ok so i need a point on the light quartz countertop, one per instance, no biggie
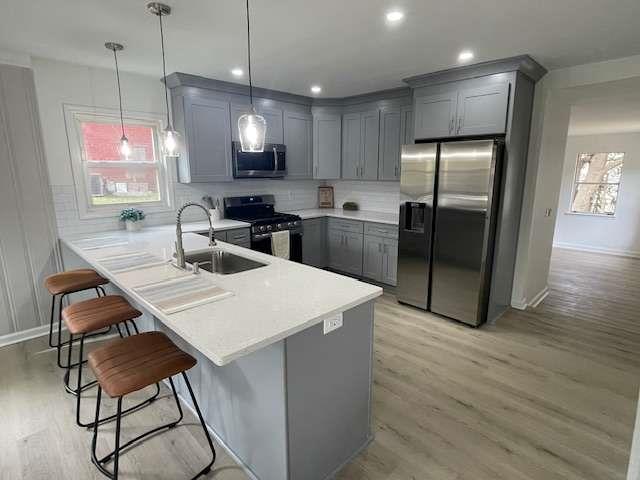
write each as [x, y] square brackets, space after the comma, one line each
[362, 215]
[268, 304]
[218, 225]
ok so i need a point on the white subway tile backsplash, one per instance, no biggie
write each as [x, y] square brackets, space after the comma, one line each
[375, 196]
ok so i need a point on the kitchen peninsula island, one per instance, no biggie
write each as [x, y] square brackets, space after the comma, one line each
[284, 390]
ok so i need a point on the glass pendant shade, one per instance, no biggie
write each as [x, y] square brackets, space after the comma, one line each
[253, 129]
[170, 142]
[125, 148]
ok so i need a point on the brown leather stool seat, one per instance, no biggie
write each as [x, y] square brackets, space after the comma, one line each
[90, 315]
[126, 365]
[123, 366]
[73, 281]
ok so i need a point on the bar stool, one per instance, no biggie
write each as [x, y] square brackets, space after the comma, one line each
[63, 284]
[88, 316]
[123, 366]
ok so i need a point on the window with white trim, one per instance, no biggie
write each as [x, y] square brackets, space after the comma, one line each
[597, 183]
[106, 182]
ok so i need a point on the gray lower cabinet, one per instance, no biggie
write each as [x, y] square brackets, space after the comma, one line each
[314, 242]
[345, 251]
[327, 134]
[380, 260]
[238, 236]
[298, 137]
[206, 128]
[360, 136]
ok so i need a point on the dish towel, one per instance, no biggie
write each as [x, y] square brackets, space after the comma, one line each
[280, 244]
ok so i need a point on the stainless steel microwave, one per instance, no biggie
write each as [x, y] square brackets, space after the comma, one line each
[271, 163]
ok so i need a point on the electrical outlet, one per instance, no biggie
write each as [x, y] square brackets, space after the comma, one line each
[332, 323]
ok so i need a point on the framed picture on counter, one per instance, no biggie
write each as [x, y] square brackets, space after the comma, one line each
[325, 197]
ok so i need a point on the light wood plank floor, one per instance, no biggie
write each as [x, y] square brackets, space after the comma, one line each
[544, 394]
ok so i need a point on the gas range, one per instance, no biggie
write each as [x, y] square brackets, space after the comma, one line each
[259, 211]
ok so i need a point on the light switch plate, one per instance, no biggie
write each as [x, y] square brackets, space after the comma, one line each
[332, 323]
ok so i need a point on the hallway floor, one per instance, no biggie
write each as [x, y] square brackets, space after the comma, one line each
[545, 394]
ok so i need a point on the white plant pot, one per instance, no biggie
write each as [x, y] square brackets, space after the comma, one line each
[133, 226]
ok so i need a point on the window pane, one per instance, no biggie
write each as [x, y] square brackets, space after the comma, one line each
[130, 184]
[595, 198]
[101, 141]
[599, 167]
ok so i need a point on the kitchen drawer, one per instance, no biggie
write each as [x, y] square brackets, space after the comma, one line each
[345, 225]
[381, 230]
[239, 236]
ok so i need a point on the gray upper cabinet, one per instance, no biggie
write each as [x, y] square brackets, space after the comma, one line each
[273, 117]
[208, 141]
[435, 115]
[462, 112]
[327, 134]
[370, 145]
[483, 110]
[351, 145]
[391, 137]
[406, 125]
[360, 142]
[298, 137]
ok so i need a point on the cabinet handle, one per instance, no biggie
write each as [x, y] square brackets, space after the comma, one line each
[459, 125]
[451, 125]
[396, 171]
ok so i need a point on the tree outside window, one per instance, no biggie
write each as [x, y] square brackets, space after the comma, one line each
[597, 183]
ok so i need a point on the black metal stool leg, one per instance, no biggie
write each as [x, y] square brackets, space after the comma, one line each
[53, 311]
[116, 452]
[206, 469]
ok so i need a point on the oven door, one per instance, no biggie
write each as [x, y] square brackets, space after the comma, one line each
[268, 164]
[263, 244]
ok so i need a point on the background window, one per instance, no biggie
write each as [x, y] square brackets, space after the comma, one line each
[597, 183]
[105, 180]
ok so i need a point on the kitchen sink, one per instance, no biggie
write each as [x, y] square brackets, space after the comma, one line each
[224, 263]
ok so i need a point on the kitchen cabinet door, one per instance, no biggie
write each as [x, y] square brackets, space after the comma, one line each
[314, 251]
[390, 142]
[208, 137]
[351, 146]
[435, 115]
[483, 110]
[389, 274]
[337, 249]
[353, 253]
[327, 135]
[275, 130]
[406, 126]
[239, 236]
[372, 258]
[298, 138]
[370, 143]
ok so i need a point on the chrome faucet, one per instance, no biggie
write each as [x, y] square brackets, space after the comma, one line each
[180, 261]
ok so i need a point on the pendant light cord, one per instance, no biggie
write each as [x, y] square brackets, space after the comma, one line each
[164, 72]
[115, 57]
[249, 55]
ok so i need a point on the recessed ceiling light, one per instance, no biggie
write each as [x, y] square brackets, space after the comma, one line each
[316, 89]
[237, 72]
[465, 56]
[394, 16]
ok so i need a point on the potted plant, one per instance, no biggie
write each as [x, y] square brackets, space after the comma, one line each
[132, 218]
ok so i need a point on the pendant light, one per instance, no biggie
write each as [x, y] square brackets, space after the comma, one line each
[252, 127]
[125, 148]
[170, 138]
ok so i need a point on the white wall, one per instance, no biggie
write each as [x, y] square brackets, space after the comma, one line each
[58, 83]
[619, 234]
[554, 95]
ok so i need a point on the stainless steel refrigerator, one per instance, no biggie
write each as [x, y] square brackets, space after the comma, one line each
[449, 199]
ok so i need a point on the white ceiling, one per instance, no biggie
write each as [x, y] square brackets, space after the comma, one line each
[343, 45]
[613, 115]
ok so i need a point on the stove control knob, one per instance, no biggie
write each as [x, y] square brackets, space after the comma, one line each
[261, 228]
[290, 224]
[280, 225]
[269, 227]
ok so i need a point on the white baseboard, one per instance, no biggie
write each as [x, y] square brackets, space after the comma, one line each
[25, 335]
[536, 300]
[606, 251]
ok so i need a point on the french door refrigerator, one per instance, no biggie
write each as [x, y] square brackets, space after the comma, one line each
[449, 199]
